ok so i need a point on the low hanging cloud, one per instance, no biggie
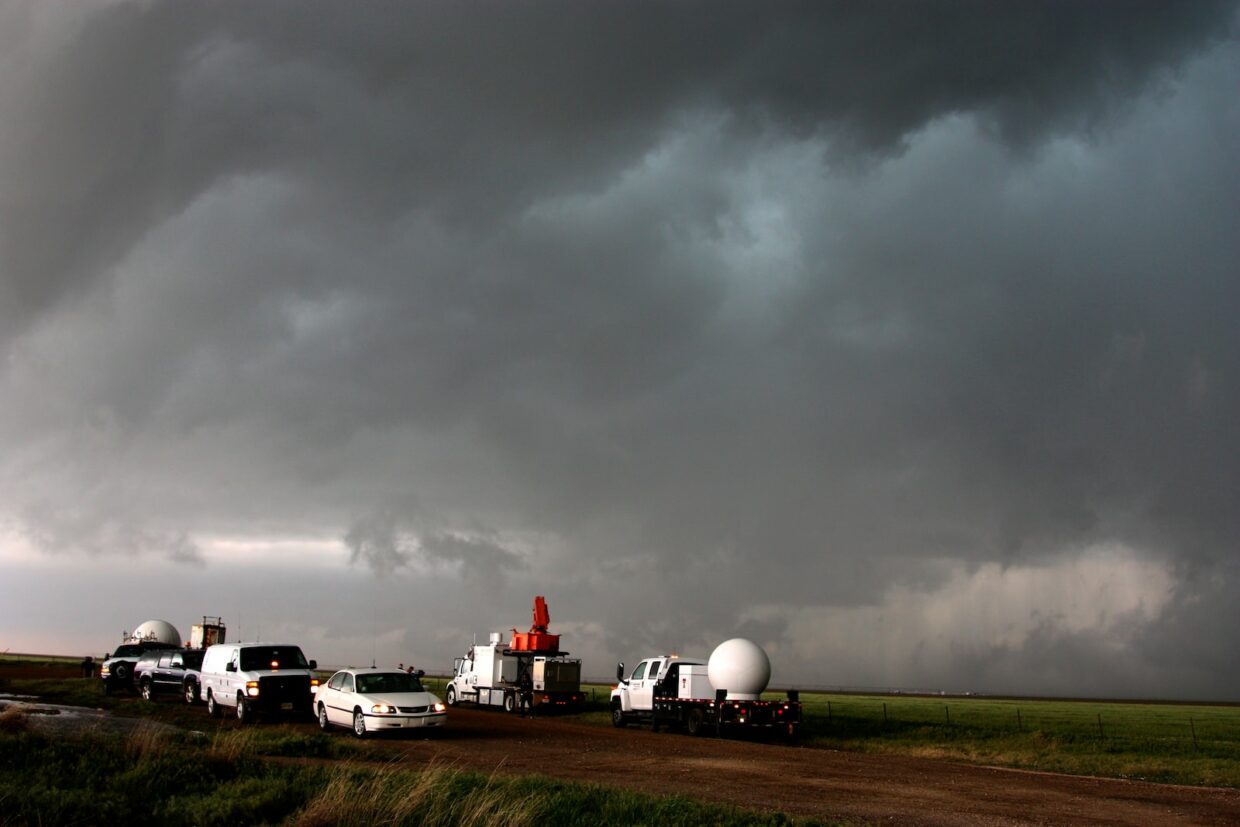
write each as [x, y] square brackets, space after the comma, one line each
[970, 631]
[379, 543]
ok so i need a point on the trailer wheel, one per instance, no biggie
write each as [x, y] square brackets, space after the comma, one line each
[793, 734]
[696, 722]
[510, 702]
[617, 716]
[450, 696]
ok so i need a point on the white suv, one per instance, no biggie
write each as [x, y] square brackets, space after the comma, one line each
[257, 678]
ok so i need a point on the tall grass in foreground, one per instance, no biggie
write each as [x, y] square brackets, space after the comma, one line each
[180, 778]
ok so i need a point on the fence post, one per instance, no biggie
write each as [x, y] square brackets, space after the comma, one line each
[828, 712]
[884, 712]
[948, 713]
[1100, 735]
[1020, 727]
[1193, 729]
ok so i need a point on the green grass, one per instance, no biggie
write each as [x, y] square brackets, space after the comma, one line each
[185, 779]
[1180, 743]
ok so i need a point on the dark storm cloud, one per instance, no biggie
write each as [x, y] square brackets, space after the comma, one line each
[730, 317]
[126, 112]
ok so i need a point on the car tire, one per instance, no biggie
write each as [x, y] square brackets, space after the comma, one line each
[617, 717]
[243, 711]
[191, 693]
[146, 690]
[449, 696]
[213, 706]
[359, 723]
[324, 724]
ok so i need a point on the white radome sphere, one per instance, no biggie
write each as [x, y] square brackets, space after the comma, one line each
[160, 630]
[739, 666]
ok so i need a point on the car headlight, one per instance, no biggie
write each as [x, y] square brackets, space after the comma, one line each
[251, 688]
[439, 707]
[383, 709]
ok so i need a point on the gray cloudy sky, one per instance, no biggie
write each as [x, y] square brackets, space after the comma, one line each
[898, 337]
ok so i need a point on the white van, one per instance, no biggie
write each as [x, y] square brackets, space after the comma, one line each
[256, 679]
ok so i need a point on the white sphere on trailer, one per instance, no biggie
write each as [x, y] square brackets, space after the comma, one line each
[157, 630]
[741, 667]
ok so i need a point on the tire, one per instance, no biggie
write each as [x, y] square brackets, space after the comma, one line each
[449, 696]
[121, 672]
[243, 711]
[324, 724]
[147, 691]
[359, 723]
[213, 706]
[696, 722]
[191, 693]
[510, 703]
[617, 716]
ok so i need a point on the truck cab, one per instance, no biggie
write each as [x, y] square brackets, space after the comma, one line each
[633, 697]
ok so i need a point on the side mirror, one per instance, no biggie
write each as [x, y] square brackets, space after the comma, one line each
[620, 672]
[314, 664]
[231, 667]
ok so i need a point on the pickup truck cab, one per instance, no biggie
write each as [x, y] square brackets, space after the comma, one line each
[257, 679]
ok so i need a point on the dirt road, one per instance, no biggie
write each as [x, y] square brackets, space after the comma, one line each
[797, 780]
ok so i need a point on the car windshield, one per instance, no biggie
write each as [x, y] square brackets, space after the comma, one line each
[256, 658]
[388, 682]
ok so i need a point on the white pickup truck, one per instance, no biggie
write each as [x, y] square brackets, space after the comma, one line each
[668, 690]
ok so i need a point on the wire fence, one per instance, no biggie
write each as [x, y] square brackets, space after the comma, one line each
[1139, 726]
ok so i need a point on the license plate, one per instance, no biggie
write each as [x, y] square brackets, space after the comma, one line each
[286, 705]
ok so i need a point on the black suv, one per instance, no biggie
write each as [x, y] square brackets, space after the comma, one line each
[118, 667]
[169, 671]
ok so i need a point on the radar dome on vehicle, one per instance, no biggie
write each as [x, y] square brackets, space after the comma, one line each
[741, 667]
[157, 630]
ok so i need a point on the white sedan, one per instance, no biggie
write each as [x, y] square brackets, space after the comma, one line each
[375, 700]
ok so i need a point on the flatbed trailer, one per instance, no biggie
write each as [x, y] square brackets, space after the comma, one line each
[719, 715]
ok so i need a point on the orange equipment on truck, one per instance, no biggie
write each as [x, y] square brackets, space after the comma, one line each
[537, 639]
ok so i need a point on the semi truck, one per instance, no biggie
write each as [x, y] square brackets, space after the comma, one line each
[529, 670]
[719, 695]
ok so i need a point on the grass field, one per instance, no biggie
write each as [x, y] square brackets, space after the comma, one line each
[183, 778]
